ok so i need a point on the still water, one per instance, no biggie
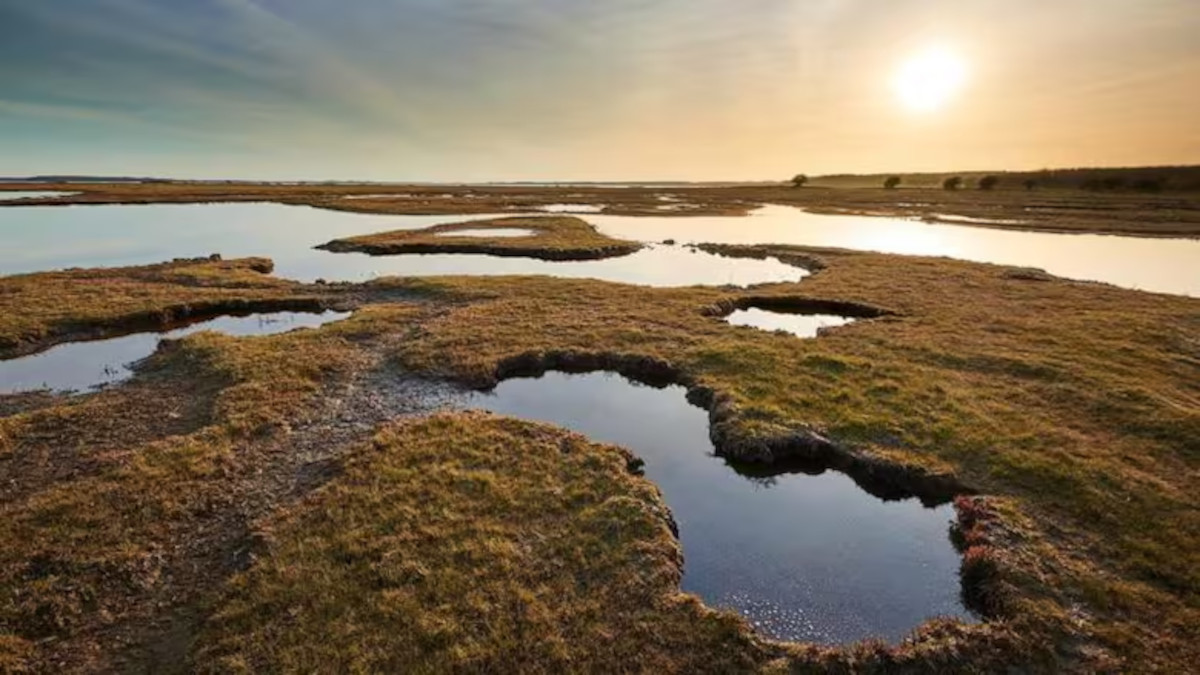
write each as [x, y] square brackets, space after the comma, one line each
[800, 325]
[80, 366]
[803, 557]
[40, 238]
[10, 195]
[1161, 265]
[570, 208]
[107, 236]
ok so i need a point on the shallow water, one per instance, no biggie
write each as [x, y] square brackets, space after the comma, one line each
[40, 238]
[800, 325]
[570, 208]
[10, 195]
[1152, 264]
[484, 232]
[79, 366]
[950, 218]
[654, 265]
[107, 236]
[804, 557]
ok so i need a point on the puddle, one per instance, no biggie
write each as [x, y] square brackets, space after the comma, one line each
[42, 238]
[484, 232]
[571, 208]
[804, 556]
[80, 366]
[12, 195]
[801, 325]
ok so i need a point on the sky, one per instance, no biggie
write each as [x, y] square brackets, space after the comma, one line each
[479, 90]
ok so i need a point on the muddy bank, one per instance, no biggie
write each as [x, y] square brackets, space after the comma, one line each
[788, 547]
[881, 478]
[810, 259]
[785, 304]
[162, 320]
[553, 255]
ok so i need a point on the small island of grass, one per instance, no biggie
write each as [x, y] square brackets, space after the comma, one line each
[557, 238]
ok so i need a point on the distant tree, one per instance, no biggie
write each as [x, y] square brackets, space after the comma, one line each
[892, 182]
[799, 180]
[1113, 183]
[1030, 183]
[1149, 185]
[988, 182]
[952, 183]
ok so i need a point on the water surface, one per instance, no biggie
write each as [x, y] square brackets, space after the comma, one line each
[45, 238]
[10, 195]
[40, 238]
[950, 218]
[570, 208]
[1152, 264]
[79, 366]
[804, 557]
[800, 325]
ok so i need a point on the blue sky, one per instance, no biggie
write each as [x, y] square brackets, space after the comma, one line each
[570, 89]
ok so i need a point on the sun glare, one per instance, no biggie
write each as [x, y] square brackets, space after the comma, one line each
[930, 79]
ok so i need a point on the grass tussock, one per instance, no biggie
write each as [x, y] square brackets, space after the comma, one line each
[146, 518]
[38, 310]
[553, 238]
[483, 544]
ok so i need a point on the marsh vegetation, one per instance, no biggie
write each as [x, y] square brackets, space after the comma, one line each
[293, 501]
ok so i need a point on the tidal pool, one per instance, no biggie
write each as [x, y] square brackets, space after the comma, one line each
[804, 555]
[80, 366]
[800, 325]
[484, 232]
[49, 238]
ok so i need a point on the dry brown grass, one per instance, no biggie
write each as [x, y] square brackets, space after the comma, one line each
[38, 310]
[1076, 211]
[1077, 400]
[119, 521]
[1073, 404]
[483, 544]
[553, 238]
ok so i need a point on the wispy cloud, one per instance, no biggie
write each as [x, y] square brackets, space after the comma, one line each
[570, 87]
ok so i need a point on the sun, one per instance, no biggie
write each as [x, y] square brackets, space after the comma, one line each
[930, 79]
